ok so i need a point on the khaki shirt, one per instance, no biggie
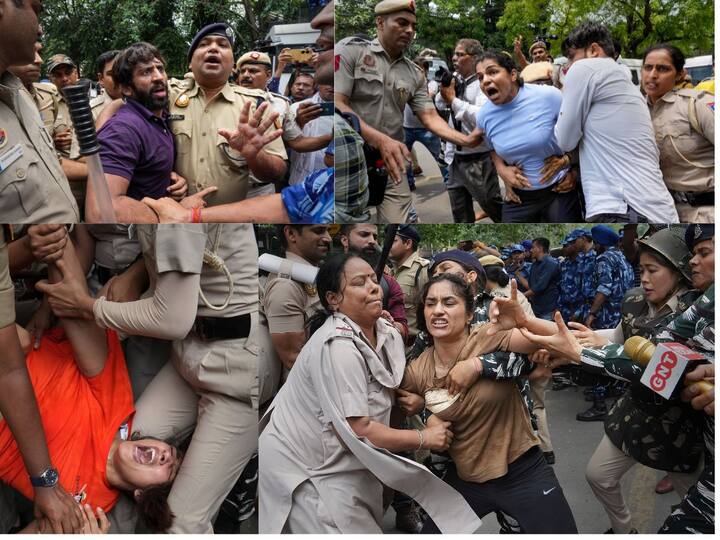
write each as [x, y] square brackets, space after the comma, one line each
[180, 248]
[202, 156]
[116, 246]
[687, 157]
[33, 187]
[405, 275]
[46, 97]
[379, 88]
[7, 292]
[288, 304]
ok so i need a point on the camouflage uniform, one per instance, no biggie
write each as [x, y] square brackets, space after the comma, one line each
[586, 271]
[696, 513]
[571, 298]
[659, 433]
[614, 277]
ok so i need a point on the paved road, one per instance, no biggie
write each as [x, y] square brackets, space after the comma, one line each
[431, 198]
[574, 442]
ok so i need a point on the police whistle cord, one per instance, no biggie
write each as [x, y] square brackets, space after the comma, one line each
[78, 101]
[390, 232]
[215, 262]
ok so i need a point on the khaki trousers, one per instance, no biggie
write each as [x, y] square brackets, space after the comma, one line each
[211, 386]
[537, 393]
[397, 203]
[606, 467]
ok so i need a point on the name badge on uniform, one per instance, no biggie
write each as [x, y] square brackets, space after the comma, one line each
[11, 156]
[182, 101]
[344, 331]
[175, 117]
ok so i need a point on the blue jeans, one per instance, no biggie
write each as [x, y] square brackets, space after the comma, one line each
[543, 206]
[431, 142]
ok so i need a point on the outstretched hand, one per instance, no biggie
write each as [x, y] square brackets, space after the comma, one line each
[563, 346]
[506, 313]
[250, 138]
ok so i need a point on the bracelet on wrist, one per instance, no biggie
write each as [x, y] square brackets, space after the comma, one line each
[195, 215]
[422, 440]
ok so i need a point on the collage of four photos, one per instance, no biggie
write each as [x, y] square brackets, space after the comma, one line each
[357, 267]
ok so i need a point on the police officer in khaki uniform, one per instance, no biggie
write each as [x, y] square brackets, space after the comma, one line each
[254, 71]
[410, 270]
[204, 103]
[288, 304]
[33, 187]
[374, 80]
[45, 95]
[684, 122]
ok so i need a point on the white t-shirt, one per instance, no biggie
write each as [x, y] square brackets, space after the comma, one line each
[619, 159]
[304, 163]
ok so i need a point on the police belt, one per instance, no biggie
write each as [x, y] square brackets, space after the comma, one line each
[693, 198]
[104, 274]
[475, 156]
[213, 328]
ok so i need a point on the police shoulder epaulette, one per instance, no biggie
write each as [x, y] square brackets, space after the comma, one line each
[343, 329]
[280, 96]
[690, 93]
[181, 84]
[354, 40]
[46, 87]
[249, 92]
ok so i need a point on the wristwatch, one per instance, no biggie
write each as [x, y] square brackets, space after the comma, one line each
[48, 478]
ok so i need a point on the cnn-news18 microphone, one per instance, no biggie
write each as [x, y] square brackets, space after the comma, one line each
[665, 364]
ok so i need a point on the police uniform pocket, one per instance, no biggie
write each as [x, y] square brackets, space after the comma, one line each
[230, 157]
[15, 189]
[368, 85]
[401, 93]
[182, 131]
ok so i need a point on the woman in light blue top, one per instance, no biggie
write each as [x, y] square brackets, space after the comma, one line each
[519, 121]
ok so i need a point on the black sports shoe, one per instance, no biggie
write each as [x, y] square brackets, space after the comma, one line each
[409, 519]
[596, 413]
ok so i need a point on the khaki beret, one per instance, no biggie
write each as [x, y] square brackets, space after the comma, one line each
[489, 260]
[254, 57]
[391, 6]
[537, 71]
[537, 44]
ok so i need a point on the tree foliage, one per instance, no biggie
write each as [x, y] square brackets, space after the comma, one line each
[84, 29]
[688, 24]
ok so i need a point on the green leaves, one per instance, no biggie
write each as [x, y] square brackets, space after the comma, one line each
[84, 29]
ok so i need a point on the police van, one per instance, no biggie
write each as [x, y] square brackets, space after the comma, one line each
[699, 67]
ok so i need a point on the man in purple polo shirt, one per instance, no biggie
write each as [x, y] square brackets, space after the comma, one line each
[136, 144]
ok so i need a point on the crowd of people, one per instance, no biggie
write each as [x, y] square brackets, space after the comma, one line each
[545, 141]
[231, 133]
[456, 381]
[140, 390]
